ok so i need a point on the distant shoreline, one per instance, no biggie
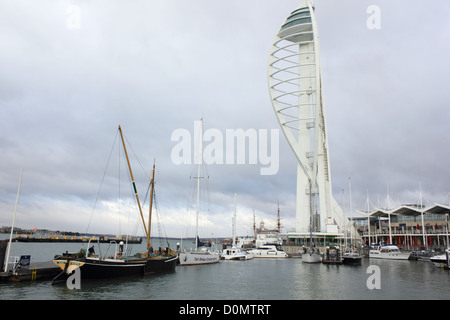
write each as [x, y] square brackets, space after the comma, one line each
[38, 232]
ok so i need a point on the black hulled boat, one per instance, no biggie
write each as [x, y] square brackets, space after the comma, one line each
[95, 267]
[92, 266]
[352, 256]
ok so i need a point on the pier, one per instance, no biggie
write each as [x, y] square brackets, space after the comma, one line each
[23, 270]
[75, 239]
[36, 271]
[332, 255]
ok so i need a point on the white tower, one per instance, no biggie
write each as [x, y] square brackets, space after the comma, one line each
[295, 85]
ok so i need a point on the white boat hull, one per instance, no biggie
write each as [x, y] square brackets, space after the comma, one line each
[390, 256]
[268, 253]
[196, 258]
[311, 257]
[440, 261]
[389, 252]
[236, 254]
[257, 255]
[233, 257]
[238, 257]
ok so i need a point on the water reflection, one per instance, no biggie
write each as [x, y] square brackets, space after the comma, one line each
[257, 279]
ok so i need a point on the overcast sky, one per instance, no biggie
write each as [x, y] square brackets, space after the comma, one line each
[72, 71]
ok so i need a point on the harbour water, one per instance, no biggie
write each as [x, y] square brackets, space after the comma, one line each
[257, 279]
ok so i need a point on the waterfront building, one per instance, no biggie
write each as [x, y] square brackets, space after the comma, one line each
[411, 227]
[265, 236]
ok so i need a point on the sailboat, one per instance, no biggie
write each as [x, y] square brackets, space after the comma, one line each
[311, 254]
[235, 253]
[201, 253]
[351, 255]
[119, 265]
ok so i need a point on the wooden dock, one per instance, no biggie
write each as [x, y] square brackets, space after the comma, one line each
[332, 255]
[36, 271]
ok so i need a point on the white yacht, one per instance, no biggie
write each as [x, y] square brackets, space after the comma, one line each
[388, 252]
[269, 250]
[236, 254]
[441, 261]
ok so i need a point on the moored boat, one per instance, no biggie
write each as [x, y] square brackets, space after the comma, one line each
[422, 255]
[352, 257]
[201, 256]
[311, 258]
[389, 251]
[269, 250]
[235, 254]
[201, 253]
[93, 266]
[442, 260]
[311, 255]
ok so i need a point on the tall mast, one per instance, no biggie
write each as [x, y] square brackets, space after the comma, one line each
[134, 187]
[278, 219]
[199, 161]
[152, 188]
[310, 215]
[423, 224]
[351, 214]
[12, 226]
[198, 201]
[345, 219]
[368, 217]
[447, 253]
[234, 222]
[389, 218]
[254, 224]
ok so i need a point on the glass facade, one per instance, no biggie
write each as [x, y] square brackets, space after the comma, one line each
[406, 231]
[296, 22]
[299, 16]
[427, 218]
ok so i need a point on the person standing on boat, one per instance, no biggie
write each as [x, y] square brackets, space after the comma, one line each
[91, 251]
